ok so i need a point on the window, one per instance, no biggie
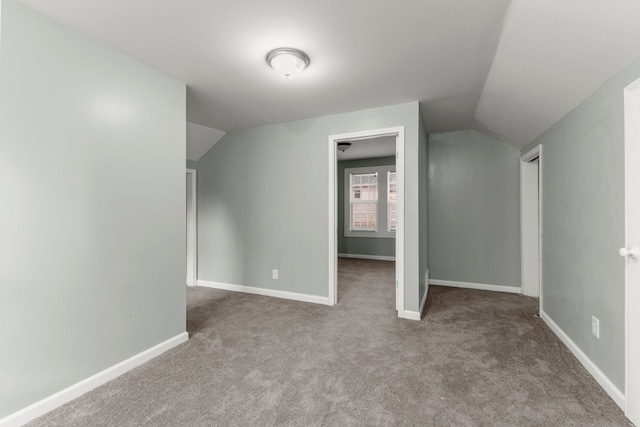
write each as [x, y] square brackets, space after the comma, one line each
[392, 201]
[370, 201]
[364, 202]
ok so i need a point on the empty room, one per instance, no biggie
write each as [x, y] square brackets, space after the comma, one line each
[319, 213]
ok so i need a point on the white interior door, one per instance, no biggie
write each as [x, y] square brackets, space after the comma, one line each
[630, 251]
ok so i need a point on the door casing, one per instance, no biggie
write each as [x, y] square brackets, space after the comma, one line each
[531, 243]
[632, 238]
[398, 133]
[192, 228]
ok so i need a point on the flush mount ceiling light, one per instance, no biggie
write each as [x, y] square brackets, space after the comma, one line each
[344, 146]
[287, 62]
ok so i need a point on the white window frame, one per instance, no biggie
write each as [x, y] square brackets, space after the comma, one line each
[388, 201]
[382, 211]
[363, 202]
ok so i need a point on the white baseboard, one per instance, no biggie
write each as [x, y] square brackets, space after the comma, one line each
[595, 372]
[266, 292]
[47, 404]
[416, 315]
[375, 257]
[424, 297]
[479, 286]
[411, 315]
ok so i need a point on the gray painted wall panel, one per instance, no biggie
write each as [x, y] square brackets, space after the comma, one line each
[583, 223]
[361, 245]
[263, 202]
[474, 209]
[93, 217]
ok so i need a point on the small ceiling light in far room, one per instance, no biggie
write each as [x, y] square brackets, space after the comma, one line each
[287, 62]
[343, 146]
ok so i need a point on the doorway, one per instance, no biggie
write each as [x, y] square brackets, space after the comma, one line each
[530, 223]
[398, 134]
[630, 250]
[192, 237]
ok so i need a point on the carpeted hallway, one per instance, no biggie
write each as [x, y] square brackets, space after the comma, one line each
[476, 359]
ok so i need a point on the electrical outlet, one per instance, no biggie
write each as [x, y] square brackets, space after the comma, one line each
[595, 326]
[274, 274]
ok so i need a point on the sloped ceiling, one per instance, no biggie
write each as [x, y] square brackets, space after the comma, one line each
[200, 139]
[509, 69]
[551, 56]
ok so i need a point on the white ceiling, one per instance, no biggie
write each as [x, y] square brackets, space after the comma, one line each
[383, 146]
[506, 68]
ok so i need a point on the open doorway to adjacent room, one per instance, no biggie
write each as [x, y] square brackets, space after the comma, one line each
[367, 219]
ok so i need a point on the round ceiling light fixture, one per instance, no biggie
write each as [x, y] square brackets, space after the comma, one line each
[287, 62]
[344, 146]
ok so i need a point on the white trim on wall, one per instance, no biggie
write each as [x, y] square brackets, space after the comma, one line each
[536, 152]
[192, 228]
[76, 390]
[478, 286]
[0, 31]
[423, 301]
[400, 227]
[411, 315]
[632, 292]
[595, 372]
[333, 221]
[375, 257]
[540, 223]
[417, 315]
[398, 132]
[265, 292]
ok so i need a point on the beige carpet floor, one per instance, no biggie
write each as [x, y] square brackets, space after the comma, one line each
[476, 359]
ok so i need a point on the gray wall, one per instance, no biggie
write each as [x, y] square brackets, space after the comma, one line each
[583, 223]
[423, 166]
[361, 245]
[474, 209]
[263, 202]
[192, 164]
[92, 224]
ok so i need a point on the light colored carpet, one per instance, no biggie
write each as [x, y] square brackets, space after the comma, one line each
[476, 359]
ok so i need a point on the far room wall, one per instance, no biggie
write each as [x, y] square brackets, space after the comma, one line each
[263, 202]
[474, 209]
[368, 246]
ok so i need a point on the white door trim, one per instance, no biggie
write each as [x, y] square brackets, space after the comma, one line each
[632, 290]
[398, 132]
[0, 31]
[531, 155]
[192, 229]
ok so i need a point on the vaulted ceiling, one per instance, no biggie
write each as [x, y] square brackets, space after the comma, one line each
[509, 69]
